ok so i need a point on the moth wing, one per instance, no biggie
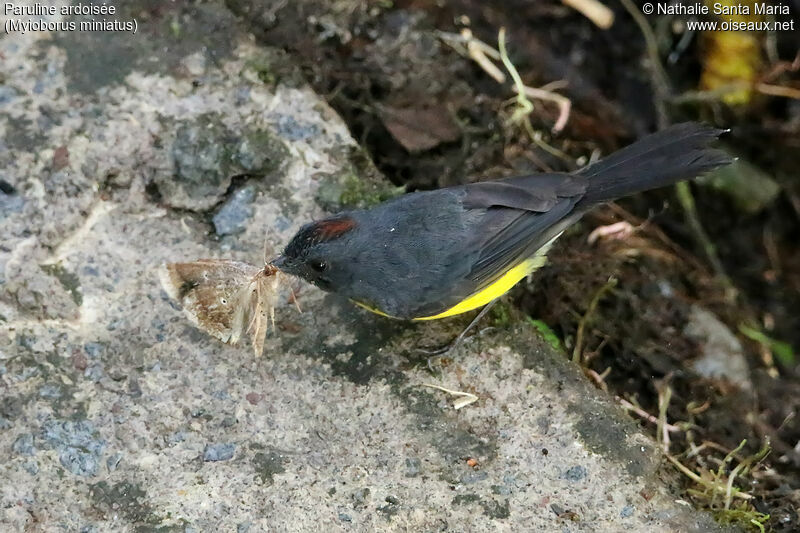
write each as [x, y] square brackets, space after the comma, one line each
[209, 290]
[266, 295]
[245, 308]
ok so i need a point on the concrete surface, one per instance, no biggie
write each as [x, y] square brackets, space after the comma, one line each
[119, 152]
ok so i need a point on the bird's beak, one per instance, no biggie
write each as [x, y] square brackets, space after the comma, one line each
[279, 262]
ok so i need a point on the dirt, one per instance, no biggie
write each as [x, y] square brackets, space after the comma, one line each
[384, 69]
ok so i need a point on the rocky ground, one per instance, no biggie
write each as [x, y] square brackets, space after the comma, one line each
[120, 152]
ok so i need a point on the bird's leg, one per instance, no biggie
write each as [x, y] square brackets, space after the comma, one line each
[439, 352]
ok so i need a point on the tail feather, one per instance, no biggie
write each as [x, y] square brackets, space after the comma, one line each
[677, 153]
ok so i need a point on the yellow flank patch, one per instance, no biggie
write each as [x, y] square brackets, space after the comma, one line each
[492, 291]
[495, 290]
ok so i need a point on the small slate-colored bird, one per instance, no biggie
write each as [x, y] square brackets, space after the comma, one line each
[435, 254]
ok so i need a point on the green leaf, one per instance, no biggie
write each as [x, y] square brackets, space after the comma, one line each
[547, 333]
[782, 351]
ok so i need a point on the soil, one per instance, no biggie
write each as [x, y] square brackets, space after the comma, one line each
[386, 71]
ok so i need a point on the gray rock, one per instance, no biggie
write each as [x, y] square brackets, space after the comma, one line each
[233, 215]
[219, 452]
[206, 155]
[339, 406]
[202, 156]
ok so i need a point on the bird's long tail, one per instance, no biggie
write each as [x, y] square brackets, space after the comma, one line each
[677, 153]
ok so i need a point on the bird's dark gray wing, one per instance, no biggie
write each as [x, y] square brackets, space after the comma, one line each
[521, 215]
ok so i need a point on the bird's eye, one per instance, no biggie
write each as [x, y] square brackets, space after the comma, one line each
[319, 266]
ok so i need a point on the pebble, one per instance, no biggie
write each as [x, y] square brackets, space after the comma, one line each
[575, 473]
[31, 467]
[24, 445]
[234, 214]
[50, 391]
[79, 450]
[293, 130]
[722, 355]
[413, 466]
[10, 203]
[474, 477]
[627, 511]
[219, 452]
[94, 373]
[93, 349]
[113, 462]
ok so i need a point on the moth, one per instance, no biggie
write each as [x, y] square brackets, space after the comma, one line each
[225, 298]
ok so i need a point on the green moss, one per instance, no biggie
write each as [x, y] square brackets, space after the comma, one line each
[273, 66]
[360, 185]
[68, 280]
[547, 334]
[358, 193]
[466, 499]
[349, 191]
[495, 509]
[260, 152]
[175, 28]
[491, 508]
[747, 519]
[267, 464]
[501, 315]
[125, 498]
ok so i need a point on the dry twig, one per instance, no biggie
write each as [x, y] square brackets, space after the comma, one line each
[465, 398]
[578, 350]
[485, 56]
[598, 13]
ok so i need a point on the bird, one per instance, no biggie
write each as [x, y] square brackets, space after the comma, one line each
[434, 254]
